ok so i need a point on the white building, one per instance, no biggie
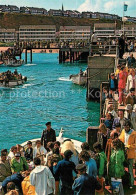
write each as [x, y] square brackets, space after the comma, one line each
[8, 35]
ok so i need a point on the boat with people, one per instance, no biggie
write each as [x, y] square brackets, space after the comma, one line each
[80, 78]
[13, 62]
[9, 79]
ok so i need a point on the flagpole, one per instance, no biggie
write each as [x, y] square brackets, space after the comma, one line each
[123, 17]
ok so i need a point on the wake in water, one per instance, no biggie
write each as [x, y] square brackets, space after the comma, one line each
[64, 79]
[30, 64]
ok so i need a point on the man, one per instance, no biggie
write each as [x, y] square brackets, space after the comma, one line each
[121, 46]
[94, 39]
[5, 169]
[84, 184]
[131, 61]
[120, 120]
[128, 137]
[29, 151]
[128, 112]
[64, 170]
[48, 135]
[131, 97]
[42, 178]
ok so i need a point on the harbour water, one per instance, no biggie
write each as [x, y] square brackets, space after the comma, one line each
[48, 95]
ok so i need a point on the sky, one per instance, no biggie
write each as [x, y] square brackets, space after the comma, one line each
[108, 6]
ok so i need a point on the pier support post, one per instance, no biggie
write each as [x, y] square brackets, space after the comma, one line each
[60, 56]
[70, 56]
[26, 56]
[63, 56]
[31, 58]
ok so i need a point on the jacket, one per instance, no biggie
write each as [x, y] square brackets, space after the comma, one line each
[129, 84]
[131, 144]
[116, 167]
[27, 188]
[91, 167]
[43, 180]
[122, 80]
[5, 170]
[115, 84]
[85, 185]
[48, 136]
[102, 164]
[17, 167]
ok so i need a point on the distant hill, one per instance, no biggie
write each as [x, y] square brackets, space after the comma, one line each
[14, 20]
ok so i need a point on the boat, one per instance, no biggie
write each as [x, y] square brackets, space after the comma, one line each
[79, 79]
[60, 138]
[13, 62]
[13, 83]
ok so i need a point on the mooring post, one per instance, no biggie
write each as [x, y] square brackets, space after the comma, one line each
[60, 56]
[26, 56]
[31, 57]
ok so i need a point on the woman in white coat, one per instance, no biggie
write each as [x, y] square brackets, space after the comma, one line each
[39, 151]
[131, 80]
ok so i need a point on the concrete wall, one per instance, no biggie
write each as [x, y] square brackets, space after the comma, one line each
[99, 67]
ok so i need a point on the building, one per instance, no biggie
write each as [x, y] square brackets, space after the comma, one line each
[69, 33]
[37, 32]
[74, 14]
[129, 30]
[55, 12]
[86, 14]
[8, 35]
[9, 8]
[4, 8]
[33, 10]
[104, 29]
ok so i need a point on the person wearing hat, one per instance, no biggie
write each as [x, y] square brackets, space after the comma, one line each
[18, 163]
[64, 169]
[29, 151]
[84, 184]
[48, 135]
[128, 112]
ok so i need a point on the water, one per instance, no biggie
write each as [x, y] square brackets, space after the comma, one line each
[48, 95]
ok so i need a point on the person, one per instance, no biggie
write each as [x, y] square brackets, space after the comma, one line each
[85, 146]
[42, 179]
[121, 119]
[29, 151]
[113, 83]
[100, 159]
[133, 117]
[94, 39]
[89, 162]
[64, 170]
[131, 97]
[131, 80]
[84, 184]
[128, 112]
[5, 169]
[131, 60]
[112, 111]
[10, 187]
[48, 135]
[18, 163]
[50, 147]
[121, 46]
[39, 151]
[12, 192]
[117, 130]
[27, 188]
[109, 121]
[128, 137]
[116, 166]
[16, 178]
[12, 152]
[20, 149]
[103, 135]
[122, 84]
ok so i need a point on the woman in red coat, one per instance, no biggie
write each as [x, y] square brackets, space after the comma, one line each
[122, 83]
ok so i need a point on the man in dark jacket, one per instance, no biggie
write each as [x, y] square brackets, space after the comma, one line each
[84, 184]
[121, 46]
[64, 170]
[48, 135]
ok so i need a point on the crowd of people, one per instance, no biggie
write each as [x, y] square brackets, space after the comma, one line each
[8, 75]
[51, 167]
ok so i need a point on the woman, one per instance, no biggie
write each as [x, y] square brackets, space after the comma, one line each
[122, 84]
[116, 167]
[103, 135]
[39, 151]
[131, 81]
[109, 121]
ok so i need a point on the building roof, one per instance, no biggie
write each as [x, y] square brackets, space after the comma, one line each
[63, 28]
[38, 26]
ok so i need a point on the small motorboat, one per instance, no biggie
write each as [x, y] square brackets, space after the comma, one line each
[13, 83]
[79, 79]
[13, 62]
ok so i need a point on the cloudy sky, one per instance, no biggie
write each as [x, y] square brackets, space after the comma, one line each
[110, 6]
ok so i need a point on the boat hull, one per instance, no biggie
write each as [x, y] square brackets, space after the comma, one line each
[79, 79]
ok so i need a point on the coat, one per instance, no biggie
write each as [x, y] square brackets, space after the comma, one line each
[48, 136]
[131, 144]
[116, 167]
[129, 84]
[85, 185]
[17, 167]
[43, 180]
[42, 151]
[91, 167]
[122, 80]
[27, 188]
[5, 170]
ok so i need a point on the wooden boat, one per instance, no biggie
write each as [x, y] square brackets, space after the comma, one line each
[13, 83]
[79, 79]
[13, 62]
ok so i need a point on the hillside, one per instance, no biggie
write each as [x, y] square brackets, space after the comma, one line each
[14, 20]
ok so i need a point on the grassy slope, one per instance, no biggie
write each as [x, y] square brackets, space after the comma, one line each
[13, 20]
